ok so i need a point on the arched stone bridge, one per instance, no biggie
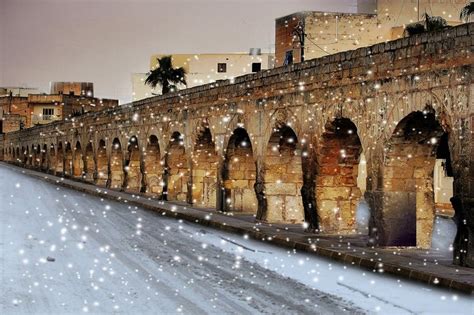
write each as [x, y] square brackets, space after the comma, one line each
[285, 143]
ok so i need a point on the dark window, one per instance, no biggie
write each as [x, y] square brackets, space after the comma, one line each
[256, 66]
[288, 57]
[222, 67]
[48, 113]
[71, 92]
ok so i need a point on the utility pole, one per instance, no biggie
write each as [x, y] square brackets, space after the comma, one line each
[300, 34]
[418, 9]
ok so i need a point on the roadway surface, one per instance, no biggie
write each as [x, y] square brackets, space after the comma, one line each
[66, 252]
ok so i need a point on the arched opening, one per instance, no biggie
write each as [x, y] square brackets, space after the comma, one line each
[153, 167]
[337, 191]
[60, 159]
[409, 201]
[68, 159]
[176, 173]
[283, 177]
[204, 171]
[239, 171]
[90, 164]
[133, 175]
[52, 159]
[18, 156]
[116, 165]
[102, 164]
[44, 157]
[78, 162]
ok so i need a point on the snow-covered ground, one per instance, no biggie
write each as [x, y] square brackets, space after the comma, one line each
[66, 252]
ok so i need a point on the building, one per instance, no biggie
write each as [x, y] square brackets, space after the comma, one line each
[67, 99]
[45, 108]
[316, 34]
[72, 88]
[205, 68]
[17, 91]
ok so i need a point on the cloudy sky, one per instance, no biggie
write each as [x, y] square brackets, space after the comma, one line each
[105, 41]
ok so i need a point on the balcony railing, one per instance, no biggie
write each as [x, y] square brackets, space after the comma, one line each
[43, 119]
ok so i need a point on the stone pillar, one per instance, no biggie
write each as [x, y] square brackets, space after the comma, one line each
[259, 187]
[463, 198]
[308, 190]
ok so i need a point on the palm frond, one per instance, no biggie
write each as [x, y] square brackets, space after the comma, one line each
[467, 12]
[165, 75]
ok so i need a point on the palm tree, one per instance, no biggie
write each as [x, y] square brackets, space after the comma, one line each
[467, 12]
[429, 24]
[434, 23]
[166, 76]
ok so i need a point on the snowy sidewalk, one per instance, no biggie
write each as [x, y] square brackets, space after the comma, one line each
[419, 265]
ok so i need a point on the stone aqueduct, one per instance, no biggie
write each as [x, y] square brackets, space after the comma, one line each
[285, 143]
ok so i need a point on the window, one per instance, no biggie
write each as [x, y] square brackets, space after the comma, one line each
[256, 66]
[222, 67]
[47, 113]
[288, 58]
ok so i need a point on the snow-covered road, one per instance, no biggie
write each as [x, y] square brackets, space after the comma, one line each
[66, 252]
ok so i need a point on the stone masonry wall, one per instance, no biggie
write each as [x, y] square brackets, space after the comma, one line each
[374, 87]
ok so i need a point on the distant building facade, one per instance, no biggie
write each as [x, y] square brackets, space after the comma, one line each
[72, 88]
[66, 101]
[17, 91]
[316, 34]
[205, 68]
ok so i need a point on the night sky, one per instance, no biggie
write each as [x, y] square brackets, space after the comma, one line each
[105, 41]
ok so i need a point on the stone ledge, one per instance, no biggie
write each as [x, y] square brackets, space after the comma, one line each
[218, 221]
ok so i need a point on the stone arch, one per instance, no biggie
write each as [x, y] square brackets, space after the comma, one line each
[102, 164]
[337, 192]
[239, 174]
[52, 159]
[408, 103]
[133, 174]
[283, 176]
[281, 117]
[407, 172]
[176, 172]
[238, 121]
[78, 161]
[60, 159]
[205, 163]
[89, 163]
[116, 174]
[44, 158]
[68, 159]
[153, 167]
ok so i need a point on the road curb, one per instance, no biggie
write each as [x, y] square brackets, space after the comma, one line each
[432, 279]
